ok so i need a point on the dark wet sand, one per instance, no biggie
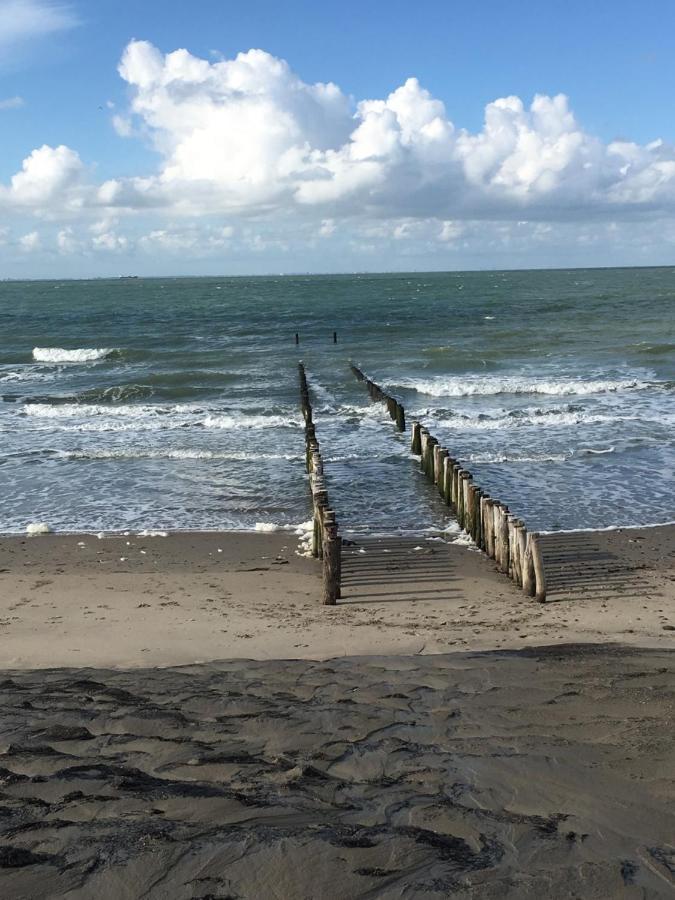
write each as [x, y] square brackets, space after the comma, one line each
[541, 773]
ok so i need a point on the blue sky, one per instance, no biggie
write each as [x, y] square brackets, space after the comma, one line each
[407, 198]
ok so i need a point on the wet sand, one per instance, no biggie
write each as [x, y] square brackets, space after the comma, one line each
[68, 600]
[539, 773]
[335, 753]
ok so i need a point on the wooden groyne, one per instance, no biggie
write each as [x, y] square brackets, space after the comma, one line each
[491, 525]
[396, 410]
[326, 540]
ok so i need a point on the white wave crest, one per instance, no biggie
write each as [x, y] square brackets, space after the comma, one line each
[81, 355]
[89, 410]
[488, 386]
[88, 417]
[518, 458]
[177, 454]
[488, 423]
[253, 422]
[596, 452]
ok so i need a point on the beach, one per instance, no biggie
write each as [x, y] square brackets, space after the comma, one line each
[131, 600]
[182, 719]
[543, 772]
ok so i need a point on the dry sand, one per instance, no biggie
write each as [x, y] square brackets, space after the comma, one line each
[68, 600]
[397, 770]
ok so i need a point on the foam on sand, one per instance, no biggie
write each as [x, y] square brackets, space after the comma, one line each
[38, 528]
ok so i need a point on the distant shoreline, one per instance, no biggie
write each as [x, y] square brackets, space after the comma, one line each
[366, 272]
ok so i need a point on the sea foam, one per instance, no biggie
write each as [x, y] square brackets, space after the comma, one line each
[488, 386]
[80, 355]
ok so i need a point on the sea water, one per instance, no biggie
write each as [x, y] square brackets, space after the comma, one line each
[170, 404]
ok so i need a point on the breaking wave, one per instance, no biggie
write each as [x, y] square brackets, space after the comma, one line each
[176, 454]
[81, 355]
[472, 386]
[128, 417]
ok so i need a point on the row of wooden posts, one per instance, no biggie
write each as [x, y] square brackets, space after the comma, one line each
[490, 524]
[326, 540]
[396, 410]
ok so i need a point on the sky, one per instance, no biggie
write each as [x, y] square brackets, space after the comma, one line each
[253, 138]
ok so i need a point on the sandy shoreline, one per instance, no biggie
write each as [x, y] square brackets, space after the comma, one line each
[361, 751]
[540, 773]
[69, 600]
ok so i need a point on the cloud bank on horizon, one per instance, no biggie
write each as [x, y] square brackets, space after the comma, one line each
[245, 140]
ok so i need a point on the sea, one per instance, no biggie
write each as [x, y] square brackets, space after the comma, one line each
[171, 404]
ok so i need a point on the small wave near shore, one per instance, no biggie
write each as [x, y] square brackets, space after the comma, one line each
[79, 355]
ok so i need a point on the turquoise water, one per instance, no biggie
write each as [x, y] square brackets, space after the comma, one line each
[172, 403]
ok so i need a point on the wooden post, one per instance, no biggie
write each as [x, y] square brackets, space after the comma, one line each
[448, 464]
[517, 552]
[511, 519]
[465, 520]
[476, 494]
[331, 564]
[320, 503]
[496, 527]
[329, 521]
[429, 461]
[529, 577]
[538, 566]
[490, 528]
[335, 337]
[424, 437]
[456, 470]
[522, 549]
[437, 462]
[400, 417]
[416, 442]
[440, 470]
[297, 338]
[481, 511]
[504, 562]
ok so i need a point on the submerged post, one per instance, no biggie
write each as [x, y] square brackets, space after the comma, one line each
[395, 409]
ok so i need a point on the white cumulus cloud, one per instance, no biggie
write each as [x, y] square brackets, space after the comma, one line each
[247, 134]
[252, 159]
[48, 176]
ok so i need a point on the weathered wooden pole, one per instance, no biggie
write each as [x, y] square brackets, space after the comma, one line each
[335, 337]
[400, 417]
[517, 552]
[538, 566]
[429, 460]
[329, 521]
[529, 577]
[416, 441]
[442, 455]
[504, 562]
[448, 464]
[490, 527]
[331, 564]
[476, 494]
